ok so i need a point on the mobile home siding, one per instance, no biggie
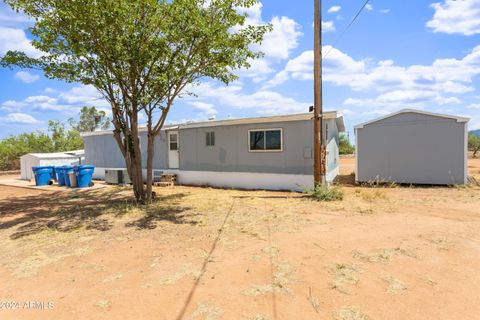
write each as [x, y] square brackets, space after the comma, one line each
[231, 151]
[102, 151]
[412, 148]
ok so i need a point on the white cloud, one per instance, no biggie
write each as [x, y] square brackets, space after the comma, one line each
[19, 118]
[438, 83]
[68, 102]
[205, 108]
[10, 18]
[261, 102]
[385, 11]
[277, 45]
[26, 77]
[12, 105]
[369, 7]
[336, 67]
[448, 75]
[328, 26]
[453, 16]
[401, 98]
[474, 106]
[334, 9]
[83, 96]
[16, 39]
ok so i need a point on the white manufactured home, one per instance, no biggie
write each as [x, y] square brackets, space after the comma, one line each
[273, 153]
[413, 147]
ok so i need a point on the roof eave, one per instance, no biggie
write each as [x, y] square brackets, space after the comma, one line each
[440, 115]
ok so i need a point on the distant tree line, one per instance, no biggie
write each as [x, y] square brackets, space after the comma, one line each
[345, 147]
[59, 138]
[474, 144]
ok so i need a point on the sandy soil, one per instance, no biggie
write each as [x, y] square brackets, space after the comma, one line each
[201, 253]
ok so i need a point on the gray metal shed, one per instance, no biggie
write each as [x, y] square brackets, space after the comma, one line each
[412, 146]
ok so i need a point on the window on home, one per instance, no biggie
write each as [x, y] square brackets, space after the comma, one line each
[173, 141]
[265, 140]
[210, 139]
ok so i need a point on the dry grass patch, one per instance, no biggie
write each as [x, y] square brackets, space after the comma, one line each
[344, 276]
[442, 243]
[383, 255]
[205, 311]
[350, 313]
[314, 302]
[394, 285]
[284, 275]
[184, 271]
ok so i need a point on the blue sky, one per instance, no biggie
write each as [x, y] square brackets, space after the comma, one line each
[398, 54]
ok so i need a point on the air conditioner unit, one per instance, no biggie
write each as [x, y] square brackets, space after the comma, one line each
[117, 176]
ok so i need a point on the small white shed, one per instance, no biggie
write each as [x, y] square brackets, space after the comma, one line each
[413, 146]
[47, 159]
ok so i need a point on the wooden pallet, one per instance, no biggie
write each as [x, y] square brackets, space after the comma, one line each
[165, 180]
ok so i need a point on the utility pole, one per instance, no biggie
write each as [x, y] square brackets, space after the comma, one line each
[319, 169]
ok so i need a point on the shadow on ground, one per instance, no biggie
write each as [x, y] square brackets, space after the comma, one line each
[59, 212]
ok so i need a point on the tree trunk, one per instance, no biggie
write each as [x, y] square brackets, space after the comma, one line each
[130, 146]
[136, 164]
[150, 151]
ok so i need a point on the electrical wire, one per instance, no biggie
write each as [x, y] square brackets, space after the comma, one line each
[346, 29]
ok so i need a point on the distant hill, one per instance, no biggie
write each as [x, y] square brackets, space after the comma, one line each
[475, 132]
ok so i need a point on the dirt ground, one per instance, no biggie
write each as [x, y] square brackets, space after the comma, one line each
[202, 253]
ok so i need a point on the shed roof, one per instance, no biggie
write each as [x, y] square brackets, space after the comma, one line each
[439, 115]
[55, 155]
[338, 116]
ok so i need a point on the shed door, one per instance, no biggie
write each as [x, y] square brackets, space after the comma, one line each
[173, 150]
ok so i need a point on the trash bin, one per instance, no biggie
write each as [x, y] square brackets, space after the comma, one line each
[60, 178]
[72, 176]
[84, 175]
[66, 176]
[53, 174]
[43, 175]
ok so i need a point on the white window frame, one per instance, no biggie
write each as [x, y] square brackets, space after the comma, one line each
[264, 130]
[169, 141]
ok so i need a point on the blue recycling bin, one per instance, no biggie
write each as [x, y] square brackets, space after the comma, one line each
[43, 175]
[84, 175]
[54, 173]
[60, 177]
[66, 170]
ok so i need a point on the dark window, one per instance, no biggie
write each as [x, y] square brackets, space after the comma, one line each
[173, 141]
[274, 140]
[266, 140]
[210, 139]
[257, 140]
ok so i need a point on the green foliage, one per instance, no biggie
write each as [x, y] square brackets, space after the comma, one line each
[91, 119]
[345, 147]
[474, 144]
[325, 193]
[140, 55]
[60, 139]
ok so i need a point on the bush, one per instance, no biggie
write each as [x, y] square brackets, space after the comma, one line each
[325, 193]
[345, 147]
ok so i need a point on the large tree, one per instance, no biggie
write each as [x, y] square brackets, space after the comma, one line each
[91, 119]
[140, 55]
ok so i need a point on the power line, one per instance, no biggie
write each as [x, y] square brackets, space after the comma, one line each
[346, 29]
